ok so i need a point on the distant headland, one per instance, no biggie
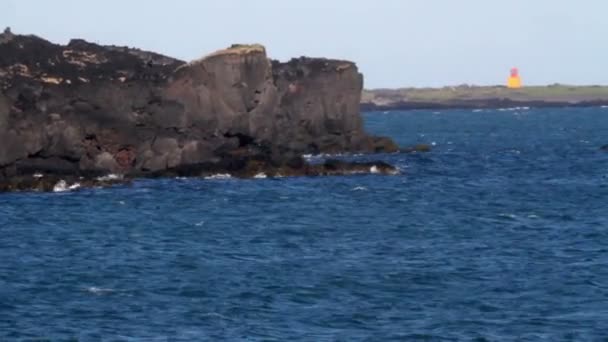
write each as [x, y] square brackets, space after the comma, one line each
[476, 97]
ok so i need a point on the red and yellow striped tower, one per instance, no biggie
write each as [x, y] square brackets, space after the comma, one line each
[514, 81]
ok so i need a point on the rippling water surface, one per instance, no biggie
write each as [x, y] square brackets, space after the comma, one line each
[499, 233]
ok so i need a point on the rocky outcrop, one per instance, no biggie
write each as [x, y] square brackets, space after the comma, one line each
[84, 109]
[250, 169]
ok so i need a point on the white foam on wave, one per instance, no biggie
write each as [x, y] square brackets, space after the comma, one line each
[359, 188]
[219, 176]
[60, 186]
[98, 290]
[309, 157]
[260, 175]
[604, 106]
[110, 177]
[375, 170]
[512, 109]
[477, 110]
[63, 186]
[396, 171]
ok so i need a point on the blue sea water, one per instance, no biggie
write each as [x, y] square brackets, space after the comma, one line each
[499, 234]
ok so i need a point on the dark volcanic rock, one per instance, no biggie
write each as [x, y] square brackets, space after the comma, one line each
[258, 168]
[84, 109]
[56, 183]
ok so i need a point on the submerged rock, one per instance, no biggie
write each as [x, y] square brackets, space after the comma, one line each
[84, 109]
[417, 148]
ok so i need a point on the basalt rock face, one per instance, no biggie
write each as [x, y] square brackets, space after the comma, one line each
[85, 109]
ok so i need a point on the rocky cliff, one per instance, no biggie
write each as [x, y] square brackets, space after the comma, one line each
[86, 109]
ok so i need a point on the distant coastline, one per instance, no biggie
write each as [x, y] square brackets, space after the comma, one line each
[483, 97]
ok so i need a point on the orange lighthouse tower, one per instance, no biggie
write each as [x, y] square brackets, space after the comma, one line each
[514, 81]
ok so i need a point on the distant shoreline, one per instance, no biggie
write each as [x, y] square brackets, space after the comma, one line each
[483, 97]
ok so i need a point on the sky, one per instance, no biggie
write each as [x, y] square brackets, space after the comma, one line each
[395, 43]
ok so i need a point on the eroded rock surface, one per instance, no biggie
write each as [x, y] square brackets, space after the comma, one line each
[86, 110]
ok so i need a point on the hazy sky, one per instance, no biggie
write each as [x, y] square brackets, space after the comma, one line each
[395, 42]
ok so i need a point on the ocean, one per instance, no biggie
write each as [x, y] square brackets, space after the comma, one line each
[500, 233]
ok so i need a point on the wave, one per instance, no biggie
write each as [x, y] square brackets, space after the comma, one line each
[309, 157]
[110, 177]
[508, 216]
[63, 186]
[99, 290]
[219, 176]
[512, 109]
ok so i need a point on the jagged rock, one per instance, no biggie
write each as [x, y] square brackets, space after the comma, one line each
[97, 109]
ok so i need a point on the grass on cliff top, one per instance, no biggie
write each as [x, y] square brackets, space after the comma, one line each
[236, 49]
[239, 49]
[555, 92]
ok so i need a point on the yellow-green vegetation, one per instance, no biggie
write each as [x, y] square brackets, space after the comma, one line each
[550, 93]
[239, 49]
[235, 49]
